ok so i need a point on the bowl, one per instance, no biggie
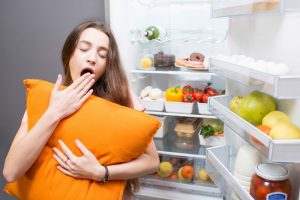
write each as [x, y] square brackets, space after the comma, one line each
[179, 107]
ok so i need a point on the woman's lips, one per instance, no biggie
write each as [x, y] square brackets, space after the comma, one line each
[86, 70]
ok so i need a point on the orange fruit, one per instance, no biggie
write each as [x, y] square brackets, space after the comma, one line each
[265, 129]
[187, 172]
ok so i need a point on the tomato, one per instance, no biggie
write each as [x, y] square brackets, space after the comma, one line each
[188, 98]
[198, 94]
[174, 94]
[187, 89]
[210, 91]
[205, 98]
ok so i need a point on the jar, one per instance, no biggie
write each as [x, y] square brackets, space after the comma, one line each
[270, 182]
[146, 61]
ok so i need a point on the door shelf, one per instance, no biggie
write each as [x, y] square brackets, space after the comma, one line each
[218, 166]
[277, 86]
[274, 150]
[247, 7]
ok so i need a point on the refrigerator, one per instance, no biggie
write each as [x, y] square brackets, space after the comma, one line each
[230, 34]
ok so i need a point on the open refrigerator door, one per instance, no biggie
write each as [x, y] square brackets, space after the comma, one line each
[171, 44]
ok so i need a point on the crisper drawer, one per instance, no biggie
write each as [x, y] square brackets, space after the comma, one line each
[183, 176]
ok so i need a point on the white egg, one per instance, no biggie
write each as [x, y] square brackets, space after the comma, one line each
[235, 58]
[270, 66]
[243, 63]
[261, 65]
[250, 60]
[242, 57]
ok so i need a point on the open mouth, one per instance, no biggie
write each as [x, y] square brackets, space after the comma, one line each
[86, 70]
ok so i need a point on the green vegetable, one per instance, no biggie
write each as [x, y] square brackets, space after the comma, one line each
[211, 127]
[207, 130]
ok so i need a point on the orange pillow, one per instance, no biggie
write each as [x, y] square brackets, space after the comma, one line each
[113, 133]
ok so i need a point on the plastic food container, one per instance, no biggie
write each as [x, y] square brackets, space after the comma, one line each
[179, 107]
[153, 105]
[212, 140]
[270, 181]
[162, 131]
[203, 108]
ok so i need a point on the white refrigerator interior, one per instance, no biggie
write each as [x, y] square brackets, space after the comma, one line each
[265, 30]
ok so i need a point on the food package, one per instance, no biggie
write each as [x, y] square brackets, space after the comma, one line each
[186, 127]
[164, 60]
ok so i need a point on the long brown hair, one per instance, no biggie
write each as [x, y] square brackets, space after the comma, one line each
[113, 84]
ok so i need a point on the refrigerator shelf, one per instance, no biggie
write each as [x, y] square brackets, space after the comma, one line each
[180, 114]
[218, 166]
[193, 187]
[154, 193]
[277, 86]
[205, 75]
[246, 7]
[172, 145]
[274, 150]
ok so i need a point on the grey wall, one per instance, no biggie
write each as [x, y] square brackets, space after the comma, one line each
[32, 33]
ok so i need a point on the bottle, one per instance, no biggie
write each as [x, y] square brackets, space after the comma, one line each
[154, 32]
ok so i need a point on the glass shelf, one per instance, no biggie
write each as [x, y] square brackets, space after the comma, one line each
[243, 7]
[173, 145]
[218, 165]
[277, 86]
[204, 75]
[274, 150]
[194, 187]
[180, 114]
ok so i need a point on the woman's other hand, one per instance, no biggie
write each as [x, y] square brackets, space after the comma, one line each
[85, 167]
[65, 102]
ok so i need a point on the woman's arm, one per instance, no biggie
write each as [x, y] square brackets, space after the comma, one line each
[27, 146]
[145, 164]
[88, 167]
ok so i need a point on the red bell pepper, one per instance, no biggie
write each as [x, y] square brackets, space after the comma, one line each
[188, 89]
[188, 98]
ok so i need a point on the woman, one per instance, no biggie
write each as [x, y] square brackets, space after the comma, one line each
[92, 66]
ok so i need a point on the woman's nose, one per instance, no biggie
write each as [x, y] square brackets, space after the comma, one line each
[91, 58]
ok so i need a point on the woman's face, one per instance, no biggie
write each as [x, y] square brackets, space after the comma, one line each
[90, 54]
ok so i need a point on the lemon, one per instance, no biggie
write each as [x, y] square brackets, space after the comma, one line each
[202, 175]
[146, 62]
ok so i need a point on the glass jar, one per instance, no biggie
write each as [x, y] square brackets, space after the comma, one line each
[146, 61]
[270, 182]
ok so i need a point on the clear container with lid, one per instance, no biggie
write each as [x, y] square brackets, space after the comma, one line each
[270, 182]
